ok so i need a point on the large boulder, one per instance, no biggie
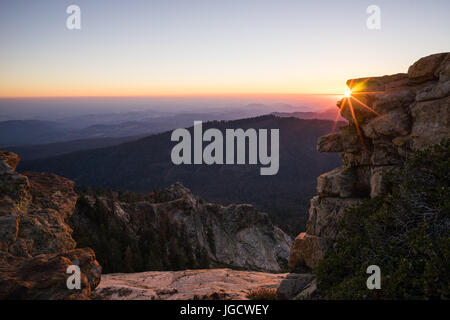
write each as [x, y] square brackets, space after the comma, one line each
[36, 244]
[392, 123]
[310, 292]
[307, 251]
[44, 276]
[396, 99]
[437, 91]
[339, 182]
[330, 143]
[293, 284]
[424, 69]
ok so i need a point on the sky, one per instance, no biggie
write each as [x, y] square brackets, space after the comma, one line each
[193, 47]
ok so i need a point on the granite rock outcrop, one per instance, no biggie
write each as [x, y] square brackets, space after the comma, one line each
[388, 117]
[173, 229]
[36, 244]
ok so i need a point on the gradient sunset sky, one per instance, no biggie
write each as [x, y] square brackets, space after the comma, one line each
[190, 47]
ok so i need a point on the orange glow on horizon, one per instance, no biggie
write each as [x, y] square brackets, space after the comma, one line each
[131, 94]
[32, 88]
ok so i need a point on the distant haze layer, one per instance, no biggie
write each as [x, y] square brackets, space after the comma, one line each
[58, 108]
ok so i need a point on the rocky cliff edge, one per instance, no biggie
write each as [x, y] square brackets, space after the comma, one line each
[36, 244]
[173, 229]
[388, 117]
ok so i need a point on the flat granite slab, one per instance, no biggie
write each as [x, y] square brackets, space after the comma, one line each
[185, 285]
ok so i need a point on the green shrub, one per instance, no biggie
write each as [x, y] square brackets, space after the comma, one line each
[406, 233]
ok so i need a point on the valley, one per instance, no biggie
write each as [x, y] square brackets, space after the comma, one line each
[145, 165]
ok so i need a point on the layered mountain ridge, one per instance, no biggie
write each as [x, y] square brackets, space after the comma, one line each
[145, 165]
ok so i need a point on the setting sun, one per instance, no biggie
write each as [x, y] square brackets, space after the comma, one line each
[348, 93]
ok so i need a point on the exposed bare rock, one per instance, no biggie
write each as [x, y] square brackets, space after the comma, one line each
[330, 143]
[355, 111]
[53, 192]
[431, 122]
[11, 159]
[217, 284]
[189, 231]
[350, 140]
[443, 69]
[324, 215]
[339, 182]
[384, 153]
[362, 158]
[424, 69]
[15, 194]
[392, 123]
[309, 292]
[438, 91]
[399, 98]
[293, 284]
[356, 150]
[44, 276]
[443, 72]
[388, 117]
[307, 250]
[366, 84]
[36, 245]
[374, 84]
[395, 81]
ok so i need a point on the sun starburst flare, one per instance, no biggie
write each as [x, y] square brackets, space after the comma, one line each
[349, 95]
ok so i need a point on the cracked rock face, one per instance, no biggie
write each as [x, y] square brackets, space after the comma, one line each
[203, 233]
[392, 115]
[36, 244]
